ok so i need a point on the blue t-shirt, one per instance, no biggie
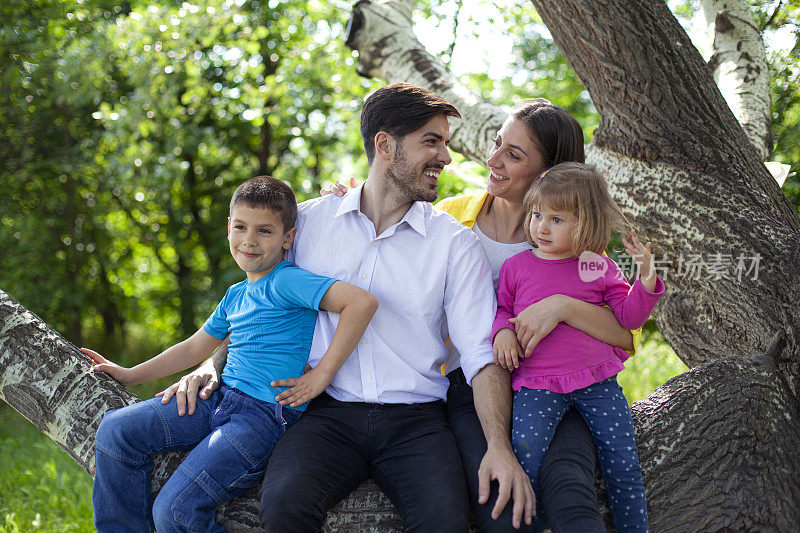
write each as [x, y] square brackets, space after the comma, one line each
[271, 324]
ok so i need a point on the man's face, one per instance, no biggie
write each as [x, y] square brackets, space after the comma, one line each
[418, 160]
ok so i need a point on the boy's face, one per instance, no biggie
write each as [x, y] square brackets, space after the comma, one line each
[257, 239]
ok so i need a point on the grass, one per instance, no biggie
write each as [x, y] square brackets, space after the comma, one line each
[654, 363]
[41, 487]
[43, 490]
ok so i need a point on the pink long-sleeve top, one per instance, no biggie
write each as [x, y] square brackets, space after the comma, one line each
[568, 359]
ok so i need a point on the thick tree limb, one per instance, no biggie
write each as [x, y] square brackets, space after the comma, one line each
[717, 444]
[718, 447]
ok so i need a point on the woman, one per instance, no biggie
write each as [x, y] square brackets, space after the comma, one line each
[535, 136]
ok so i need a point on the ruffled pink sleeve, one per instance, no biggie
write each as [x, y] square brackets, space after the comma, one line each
[632, 305]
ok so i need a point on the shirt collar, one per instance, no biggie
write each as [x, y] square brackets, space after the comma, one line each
[350, 202]
[414, 217]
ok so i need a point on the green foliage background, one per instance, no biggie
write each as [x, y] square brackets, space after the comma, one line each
[126, 125]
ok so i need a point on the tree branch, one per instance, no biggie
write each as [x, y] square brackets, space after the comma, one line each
[388, 49]
[739, 67]
[772, 17]
[702, 437]
[451, 49]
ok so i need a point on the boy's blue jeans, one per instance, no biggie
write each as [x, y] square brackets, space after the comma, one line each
[231, 436]
[603, 406]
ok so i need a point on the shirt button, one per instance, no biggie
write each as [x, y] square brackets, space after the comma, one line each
[363, 343]
[372, 243]
[368, 378]
[363, 276]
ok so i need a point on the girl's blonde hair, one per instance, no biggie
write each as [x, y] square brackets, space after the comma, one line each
[582, 191]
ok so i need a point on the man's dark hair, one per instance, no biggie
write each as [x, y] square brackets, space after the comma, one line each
[270, 193]
[398, 109]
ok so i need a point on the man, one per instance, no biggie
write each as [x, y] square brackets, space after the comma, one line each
[382, 416]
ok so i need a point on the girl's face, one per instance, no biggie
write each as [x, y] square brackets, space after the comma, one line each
[551, 230]
[514, 162]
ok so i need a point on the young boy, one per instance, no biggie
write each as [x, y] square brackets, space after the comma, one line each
[270, 318]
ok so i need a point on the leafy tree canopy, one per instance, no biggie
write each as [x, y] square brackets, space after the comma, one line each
[126, 126]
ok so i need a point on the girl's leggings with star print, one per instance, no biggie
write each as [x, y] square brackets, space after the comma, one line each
[603, 406]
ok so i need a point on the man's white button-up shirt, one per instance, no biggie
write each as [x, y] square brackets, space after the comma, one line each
[426, 268]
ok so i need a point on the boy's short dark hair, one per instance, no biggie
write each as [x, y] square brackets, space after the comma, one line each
[270, 193]
[398, 109]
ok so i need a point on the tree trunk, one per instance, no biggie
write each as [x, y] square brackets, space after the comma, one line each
[684, 171]
[676, 159]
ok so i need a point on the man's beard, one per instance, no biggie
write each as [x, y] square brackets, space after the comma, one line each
[405, 180]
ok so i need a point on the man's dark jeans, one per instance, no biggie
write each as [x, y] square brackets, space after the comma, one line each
[408, 449]
[566, 477]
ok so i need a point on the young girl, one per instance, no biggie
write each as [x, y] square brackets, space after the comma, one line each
[569, 217]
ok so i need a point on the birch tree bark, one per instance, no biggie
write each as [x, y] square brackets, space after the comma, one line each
[739, 65]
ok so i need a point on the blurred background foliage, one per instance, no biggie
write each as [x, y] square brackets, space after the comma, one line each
[126, 125]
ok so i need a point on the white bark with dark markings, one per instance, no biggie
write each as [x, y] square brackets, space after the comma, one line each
[739, 65]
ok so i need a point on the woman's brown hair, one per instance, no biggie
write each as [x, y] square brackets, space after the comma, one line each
[557, 135]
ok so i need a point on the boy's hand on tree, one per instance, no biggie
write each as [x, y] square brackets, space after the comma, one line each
[101, 364]
[199, 383]
[338, 188]
[303, 389]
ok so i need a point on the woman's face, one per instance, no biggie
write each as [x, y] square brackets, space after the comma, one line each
[514, 162]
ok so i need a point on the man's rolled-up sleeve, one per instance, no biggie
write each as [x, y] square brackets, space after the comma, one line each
[470, 305]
